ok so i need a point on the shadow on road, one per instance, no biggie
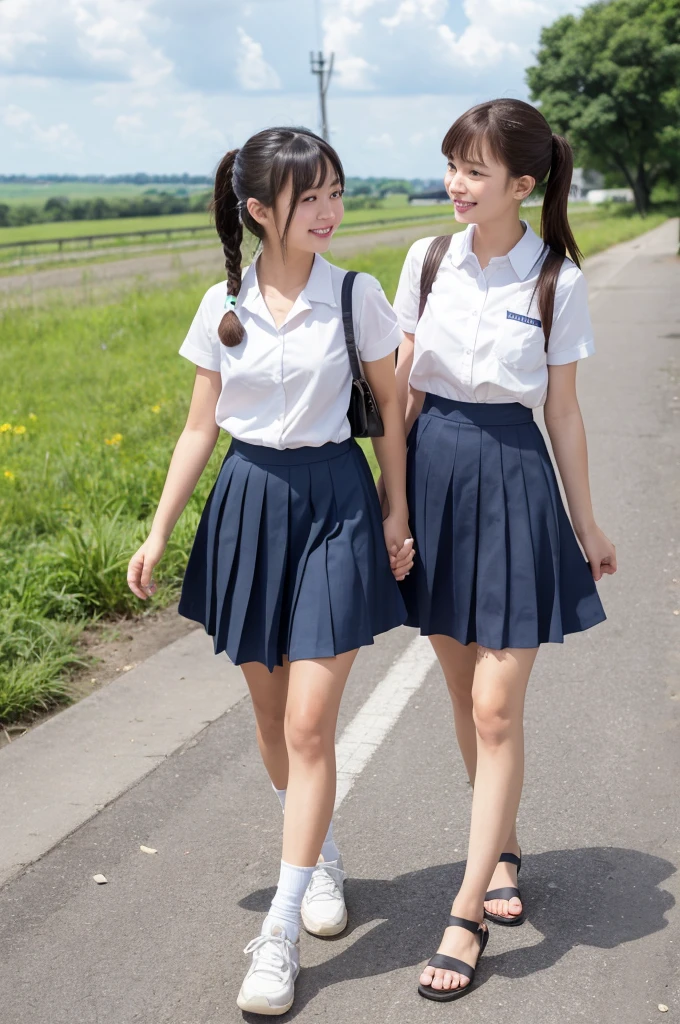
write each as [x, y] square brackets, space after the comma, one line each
[598, 896]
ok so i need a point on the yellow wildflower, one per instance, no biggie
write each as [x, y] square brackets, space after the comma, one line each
[9, 475]
[20, 430]
[155, 408]
[32, 416]
[113, 441]
[5, 427]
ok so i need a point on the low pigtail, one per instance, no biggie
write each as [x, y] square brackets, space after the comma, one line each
[225, 208]
[555, 230]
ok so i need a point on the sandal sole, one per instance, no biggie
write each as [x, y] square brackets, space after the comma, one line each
[506, 922]
[442, 996]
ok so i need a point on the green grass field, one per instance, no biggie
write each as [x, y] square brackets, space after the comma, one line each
[607, 225]
[38, 194]
[93, 399]
[76, 229]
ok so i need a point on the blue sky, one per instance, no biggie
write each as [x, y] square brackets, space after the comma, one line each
[116, 86]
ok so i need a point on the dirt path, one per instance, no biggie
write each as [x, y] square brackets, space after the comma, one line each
[111, 278]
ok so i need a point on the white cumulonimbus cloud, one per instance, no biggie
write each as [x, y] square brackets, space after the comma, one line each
[253, 71]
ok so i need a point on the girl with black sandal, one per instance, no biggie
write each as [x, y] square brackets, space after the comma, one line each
[495, 321]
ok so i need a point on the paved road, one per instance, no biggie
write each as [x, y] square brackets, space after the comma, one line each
[599, 824]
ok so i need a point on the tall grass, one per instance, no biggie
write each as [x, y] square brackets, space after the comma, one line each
[92, 400]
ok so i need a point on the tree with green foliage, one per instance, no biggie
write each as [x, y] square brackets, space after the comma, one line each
[609, 80]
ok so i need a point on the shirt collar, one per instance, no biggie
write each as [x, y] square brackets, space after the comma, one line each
[522, 256]
[461, 246]
[319, 288]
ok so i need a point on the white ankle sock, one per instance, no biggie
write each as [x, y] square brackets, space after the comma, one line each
[285, 908]
[329, 850]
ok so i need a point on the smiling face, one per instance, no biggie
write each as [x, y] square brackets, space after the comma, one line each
[482, 190]
[317, 215]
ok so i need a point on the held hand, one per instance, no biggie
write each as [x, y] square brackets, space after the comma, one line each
[600, 552]
[399, 545]
[142, 564]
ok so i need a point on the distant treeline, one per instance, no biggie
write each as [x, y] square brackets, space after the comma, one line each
[59, 208]
[365, 185]
[107, 179]
[361, 193]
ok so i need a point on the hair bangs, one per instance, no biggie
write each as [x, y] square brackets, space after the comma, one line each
[470, 135]
[306, 162]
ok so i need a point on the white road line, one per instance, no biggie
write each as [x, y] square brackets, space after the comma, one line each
[373, 721]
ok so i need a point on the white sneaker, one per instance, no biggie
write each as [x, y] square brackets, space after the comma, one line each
[323, 904]
[269, 985]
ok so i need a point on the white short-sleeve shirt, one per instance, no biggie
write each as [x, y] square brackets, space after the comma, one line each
[480, 337]
[289, 387]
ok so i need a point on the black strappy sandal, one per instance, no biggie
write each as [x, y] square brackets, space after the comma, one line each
[507, 893]
[452, 963]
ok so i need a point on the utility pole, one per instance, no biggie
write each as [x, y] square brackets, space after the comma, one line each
[322, 67]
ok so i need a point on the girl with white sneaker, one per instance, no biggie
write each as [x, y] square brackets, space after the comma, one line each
[495, 321]
[292, 569]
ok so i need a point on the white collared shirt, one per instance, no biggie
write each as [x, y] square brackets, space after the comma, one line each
[480, 337]
[289, 387]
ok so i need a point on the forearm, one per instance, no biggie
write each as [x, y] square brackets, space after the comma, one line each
[403, 371]
[189, 459]
[413, 406]
[390, 451]
[568, 439]
[410, 400]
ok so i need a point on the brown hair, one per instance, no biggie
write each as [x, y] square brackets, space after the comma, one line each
[260, 170]
[519, 136]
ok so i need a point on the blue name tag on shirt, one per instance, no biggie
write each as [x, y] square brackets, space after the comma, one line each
[524, 319]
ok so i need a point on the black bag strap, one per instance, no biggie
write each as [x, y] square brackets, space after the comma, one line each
[348, 323]
[436, 252]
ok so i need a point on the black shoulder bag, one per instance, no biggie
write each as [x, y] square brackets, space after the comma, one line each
[363, 413]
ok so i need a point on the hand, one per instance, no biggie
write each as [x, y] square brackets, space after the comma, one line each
[399, 546]
[142, 563]
[600, 552]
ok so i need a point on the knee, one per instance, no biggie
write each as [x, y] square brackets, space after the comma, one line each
[270, 728]
[305, 736]
[460, 692]
[493, 719]
[270, 725]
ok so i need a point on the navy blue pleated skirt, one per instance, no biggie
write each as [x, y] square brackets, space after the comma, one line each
[289, 557]
[497, 561]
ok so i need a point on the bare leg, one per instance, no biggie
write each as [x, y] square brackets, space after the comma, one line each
[498, 692]
[458, 665]
[269, 692]
[315, 690]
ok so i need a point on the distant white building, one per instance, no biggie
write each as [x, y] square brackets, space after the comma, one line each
[610, 195]
[585, 186]
[583, 181]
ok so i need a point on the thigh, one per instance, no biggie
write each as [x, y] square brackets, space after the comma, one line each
[268, 690]
[315, 689]
[501, 677]
[458, 662]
